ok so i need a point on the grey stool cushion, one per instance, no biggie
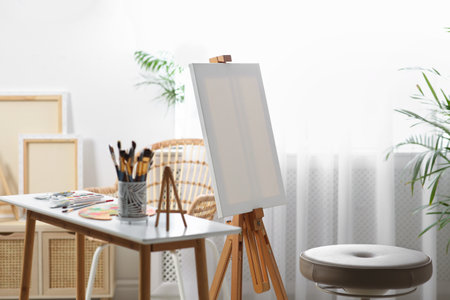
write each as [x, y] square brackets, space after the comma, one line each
[366, 266]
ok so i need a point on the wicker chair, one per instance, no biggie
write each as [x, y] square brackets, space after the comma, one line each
[187, 159]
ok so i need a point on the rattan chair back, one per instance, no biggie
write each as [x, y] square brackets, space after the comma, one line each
[187, 159]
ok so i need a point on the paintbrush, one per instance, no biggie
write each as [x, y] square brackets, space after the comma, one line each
[128, 167]
[123, 166]
[83, 206]
[119, 147]
[148, 154]
[131, 158]
[139, 166]
[85, 203]
[113, 157]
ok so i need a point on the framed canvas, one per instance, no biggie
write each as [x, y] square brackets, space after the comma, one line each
[238, 136]
[27, 113]
[50, 163]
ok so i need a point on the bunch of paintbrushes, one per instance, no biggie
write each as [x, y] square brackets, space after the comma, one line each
[129, 168]
[72, 207]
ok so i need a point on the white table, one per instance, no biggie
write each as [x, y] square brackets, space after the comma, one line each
[141, 236]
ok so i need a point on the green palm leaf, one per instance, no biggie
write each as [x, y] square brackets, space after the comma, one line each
[162, 72]
[429, 166]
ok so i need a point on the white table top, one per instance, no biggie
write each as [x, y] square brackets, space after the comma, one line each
[138, 231]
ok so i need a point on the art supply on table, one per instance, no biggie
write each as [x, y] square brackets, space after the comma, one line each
[168, 180]
[68, 198]
[113, 157]
[80, 206]
[48, 196]
[86, 203]
[76, 208]
[106, 211]
[128, 168]
[132, 176]
[43, 197]
[132, 199]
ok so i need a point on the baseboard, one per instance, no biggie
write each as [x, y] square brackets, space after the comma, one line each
[126, 289]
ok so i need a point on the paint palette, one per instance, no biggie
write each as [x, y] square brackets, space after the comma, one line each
[106, 211]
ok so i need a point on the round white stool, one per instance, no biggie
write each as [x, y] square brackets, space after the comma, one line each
[366, 271]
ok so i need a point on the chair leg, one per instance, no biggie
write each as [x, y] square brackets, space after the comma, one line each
[174, 256]
[93, 270]
[215, 251]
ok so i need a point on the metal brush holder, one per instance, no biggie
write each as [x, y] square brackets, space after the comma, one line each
[132, 200]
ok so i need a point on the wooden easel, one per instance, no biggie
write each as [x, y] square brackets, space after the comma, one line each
[260, 258]
[259, 252]
[166, 180]
[8, 192]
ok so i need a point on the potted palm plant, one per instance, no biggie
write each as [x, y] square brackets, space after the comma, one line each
[430, 164]
[161, 70]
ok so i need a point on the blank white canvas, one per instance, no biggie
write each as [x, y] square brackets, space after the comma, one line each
[238, 135]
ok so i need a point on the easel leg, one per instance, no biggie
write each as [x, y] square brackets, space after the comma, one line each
[144, 272]
[236, 267]
[27, 257]
[202, 271]
[260, 257]
[272, 267]
[81, 289]
[258, 270]
[221, 269]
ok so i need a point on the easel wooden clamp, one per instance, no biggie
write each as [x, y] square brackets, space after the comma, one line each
[220, 59]
[260, 256]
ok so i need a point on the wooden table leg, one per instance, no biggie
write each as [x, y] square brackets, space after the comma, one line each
[27, 257]
[202, 271]
[144, 272]
[81, 289]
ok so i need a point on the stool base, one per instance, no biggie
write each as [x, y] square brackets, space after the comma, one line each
[336, 290]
